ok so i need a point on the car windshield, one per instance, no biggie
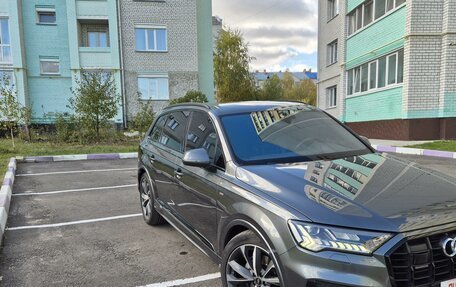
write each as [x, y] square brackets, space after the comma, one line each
[289, 134]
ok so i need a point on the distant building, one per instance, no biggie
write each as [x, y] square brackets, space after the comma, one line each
[388, 68]
[157, 51]
[261, 77]
[217, 26]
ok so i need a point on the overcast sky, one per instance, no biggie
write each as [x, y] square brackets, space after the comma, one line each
[282, 33]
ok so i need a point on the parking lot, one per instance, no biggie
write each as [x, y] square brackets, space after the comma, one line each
[79, 224]
[105, 241]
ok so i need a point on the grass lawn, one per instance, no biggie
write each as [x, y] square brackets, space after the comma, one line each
[49, 148]
[439, 145]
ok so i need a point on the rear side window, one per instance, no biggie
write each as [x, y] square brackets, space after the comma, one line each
[202, 134]
[155, 134]
[173, 130]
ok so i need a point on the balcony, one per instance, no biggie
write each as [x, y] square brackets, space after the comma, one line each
[92, 9]
[94, 44]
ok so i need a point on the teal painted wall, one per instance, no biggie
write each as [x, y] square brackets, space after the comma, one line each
[205, 49]
[352, 4]
[46, 94]
[380, 38]
[382, 105]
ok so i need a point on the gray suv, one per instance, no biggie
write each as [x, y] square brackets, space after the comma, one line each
[282, 194]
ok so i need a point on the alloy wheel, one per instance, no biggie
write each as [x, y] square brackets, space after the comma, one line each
[146, 197]
[251, 266]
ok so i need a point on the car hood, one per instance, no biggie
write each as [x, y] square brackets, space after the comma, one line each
[372, 191]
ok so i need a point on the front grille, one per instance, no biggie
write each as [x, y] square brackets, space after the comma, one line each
[421, 262]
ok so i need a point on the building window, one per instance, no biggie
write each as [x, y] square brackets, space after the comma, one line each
[50, 66]
[331, 97]
[97, 39]
[46, 16]
[332, 53]
[5, 44]
[151, 39]
[153, 88]
[369, 11]
[333, 9]
[385, 71]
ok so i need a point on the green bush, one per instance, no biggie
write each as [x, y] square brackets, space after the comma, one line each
[190, 97]
[67, 128]
[143, 119]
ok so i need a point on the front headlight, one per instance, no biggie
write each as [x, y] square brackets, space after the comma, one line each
[317, 238]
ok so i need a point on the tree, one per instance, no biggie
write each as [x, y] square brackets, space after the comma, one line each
[288, 84]
[144, 118]
[190, 97]
[95, 100]
[308, 92]
[231, 66]
[10, 108]
[272, 89]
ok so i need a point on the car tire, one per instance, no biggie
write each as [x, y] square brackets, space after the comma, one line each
[238, 262]
[147, 199]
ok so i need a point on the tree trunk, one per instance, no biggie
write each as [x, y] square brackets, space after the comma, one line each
[12, 137]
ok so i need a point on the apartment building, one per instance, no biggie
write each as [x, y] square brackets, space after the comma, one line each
[167, 50]
[398, 68]
[155, 50]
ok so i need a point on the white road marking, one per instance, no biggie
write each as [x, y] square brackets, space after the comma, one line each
[186, 281]
[74, 190]
[76, 171]
[73, 222]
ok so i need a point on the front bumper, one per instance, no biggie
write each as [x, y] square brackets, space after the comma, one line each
[334, 269]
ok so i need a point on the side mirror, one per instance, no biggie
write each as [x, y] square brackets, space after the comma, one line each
[366, 140]
[197, 157]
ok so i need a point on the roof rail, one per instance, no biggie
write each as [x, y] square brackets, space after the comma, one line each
[200, 105]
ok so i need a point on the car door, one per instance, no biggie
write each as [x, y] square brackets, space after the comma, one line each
[197, 198]
[164, 146]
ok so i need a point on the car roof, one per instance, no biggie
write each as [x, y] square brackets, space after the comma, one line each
[239, 107]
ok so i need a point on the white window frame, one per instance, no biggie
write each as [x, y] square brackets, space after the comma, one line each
[149, 98]
[98, 39]
[377, 61]
[43, 11]
[355, 13]
[332, 53]
[2, 45]
[146, 37]
[331, 92]
[53, 60]
[333, 9]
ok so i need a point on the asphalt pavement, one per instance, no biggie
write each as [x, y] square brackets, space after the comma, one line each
[79, 224]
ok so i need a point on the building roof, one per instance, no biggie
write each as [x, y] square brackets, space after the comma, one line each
[298, 76]
[216, 20]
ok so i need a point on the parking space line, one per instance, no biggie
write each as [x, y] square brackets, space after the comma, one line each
[180, 282]
[73, 222]
[73, 190]
[75, 171]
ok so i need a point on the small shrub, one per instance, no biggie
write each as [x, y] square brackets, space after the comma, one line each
[66, 128]
[190, 97]
[143, 119]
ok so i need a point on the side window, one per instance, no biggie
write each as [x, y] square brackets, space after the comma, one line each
[174, 129]
[155, 134]
[202, 134]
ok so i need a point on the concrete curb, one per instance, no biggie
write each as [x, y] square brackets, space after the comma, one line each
[5, 195]
[108, 156]
[415, 151]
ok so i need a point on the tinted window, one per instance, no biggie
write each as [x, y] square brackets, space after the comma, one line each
[289, 134]
[202, 134]
[173, 131]
[157, 129]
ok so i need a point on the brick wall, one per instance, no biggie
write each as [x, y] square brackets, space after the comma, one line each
[181, 60]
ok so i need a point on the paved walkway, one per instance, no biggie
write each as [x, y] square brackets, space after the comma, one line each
[396, 143]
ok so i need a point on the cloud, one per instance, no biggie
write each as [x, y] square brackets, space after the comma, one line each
[277, 31]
